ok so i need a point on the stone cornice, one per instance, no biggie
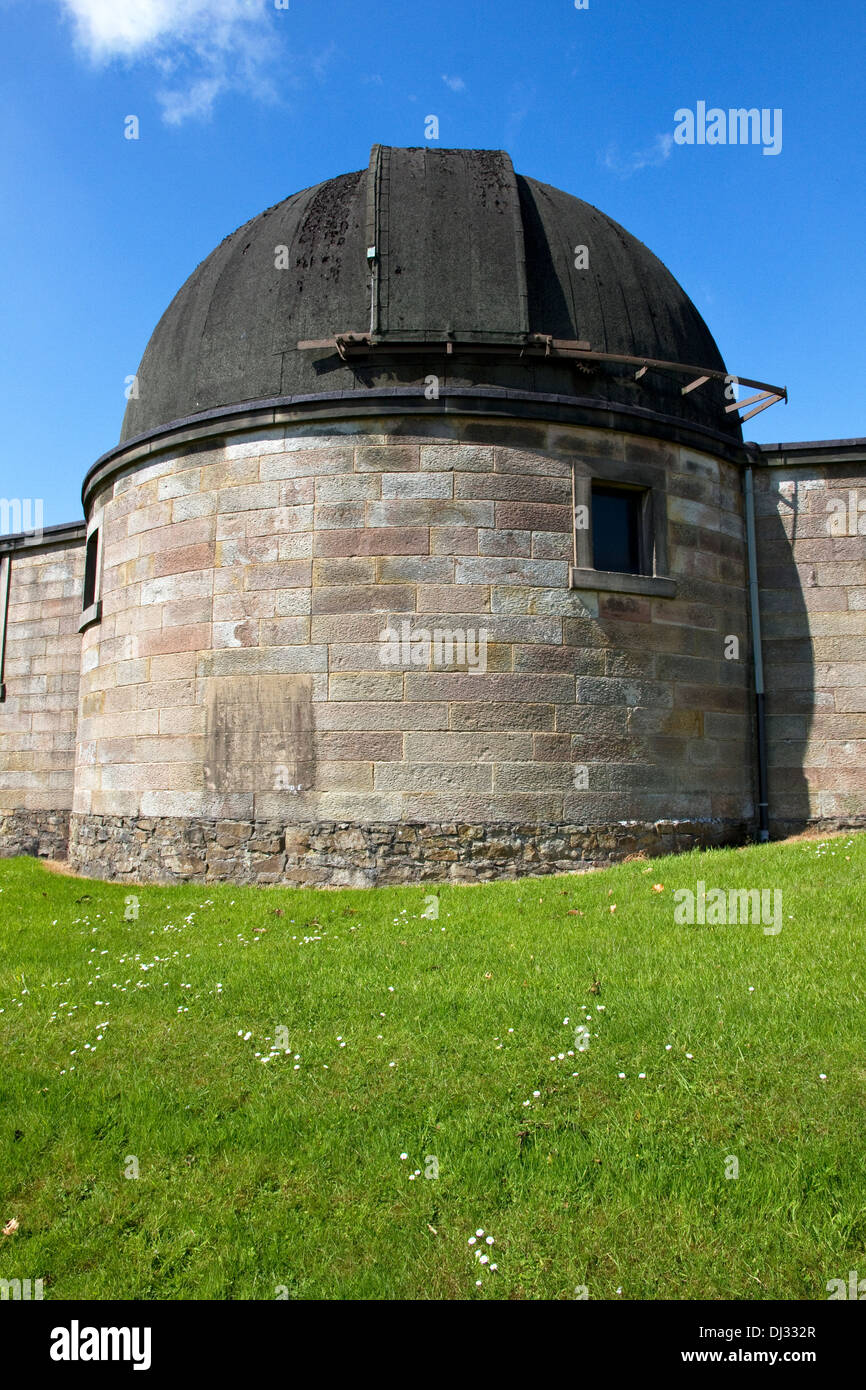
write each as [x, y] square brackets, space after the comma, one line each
[496, 402]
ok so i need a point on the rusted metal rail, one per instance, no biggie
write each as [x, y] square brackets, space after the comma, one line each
[349, 345]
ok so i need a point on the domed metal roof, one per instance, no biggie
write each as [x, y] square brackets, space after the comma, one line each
[429, 261]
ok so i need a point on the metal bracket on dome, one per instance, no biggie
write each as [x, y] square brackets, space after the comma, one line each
[544, 344]
[769, 396]
[693, 385]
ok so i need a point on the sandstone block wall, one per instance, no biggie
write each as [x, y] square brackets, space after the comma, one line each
[812, 573]
[272, 563]
[38, 716]
[235, 719]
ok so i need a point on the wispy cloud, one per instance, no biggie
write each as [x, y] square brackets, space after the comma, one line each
[521, 99]
[191, 103]
[201, 48]
[455, 83]
[320, 64]
[626, 165]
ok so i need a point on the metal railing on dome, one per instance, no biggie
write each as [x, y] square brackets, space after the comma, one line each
[353, 345]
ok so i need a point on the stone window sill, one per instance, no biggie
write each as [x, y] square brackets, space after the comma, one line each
[653, 585]
[90, 615]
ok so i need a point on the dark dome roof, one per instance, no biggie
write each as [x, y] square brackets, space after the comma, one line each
[465, 250]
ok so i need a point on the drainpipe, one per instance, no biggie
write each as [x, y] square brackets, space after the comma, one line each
[758, 660]
[374, 288]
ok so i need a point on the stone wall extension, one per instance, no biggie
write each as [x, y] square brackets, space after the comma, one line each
[811, 550]
[42, 669]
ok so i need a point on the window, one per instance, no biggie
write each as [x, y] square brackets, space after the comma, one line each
[616, 529]
[91, 599]
[90, 570]
[620, 529]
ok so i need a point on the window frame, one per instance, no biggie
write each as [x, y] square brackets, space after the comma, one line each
[92, 613]
[650, 482]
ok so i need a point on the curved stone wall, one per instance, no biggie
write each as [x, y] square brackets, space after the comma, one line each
[241, 715]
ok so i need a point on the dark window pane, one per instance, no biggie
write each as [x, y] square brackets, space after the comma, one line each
[616, 530]
[90, 570]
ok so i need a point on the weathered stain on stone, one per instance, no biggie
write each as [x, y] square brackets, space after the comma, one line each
[259, 735]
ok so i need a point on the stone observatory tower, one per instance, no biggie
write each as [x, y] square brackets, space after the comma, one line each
[421, 552]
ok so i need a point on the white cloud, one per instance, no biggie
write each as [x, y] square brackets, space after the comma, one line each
[204, 48]
[626, 165]
[455, 83]
[113, 28]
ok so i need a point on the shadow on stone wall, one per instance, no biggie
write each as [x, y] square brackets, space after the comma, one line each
[789, 668]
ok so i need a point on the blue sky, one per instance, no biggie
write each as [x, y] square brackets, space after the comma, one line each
[241, 104]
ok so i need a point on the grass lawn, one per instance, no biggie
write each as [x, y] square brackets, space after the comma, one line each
[148, 1039]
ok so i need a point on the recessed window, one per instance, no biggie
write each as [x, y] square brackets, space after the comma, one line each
[616, 529]
[620, 530]
[90, 562]
[91, 598]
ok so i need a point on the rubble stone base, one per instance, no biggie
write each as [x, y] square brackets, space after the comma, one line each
[340, 855]
[42, 834]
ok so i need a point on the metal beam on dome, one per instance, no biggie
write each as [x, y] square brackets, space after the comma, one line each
[349, 345]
